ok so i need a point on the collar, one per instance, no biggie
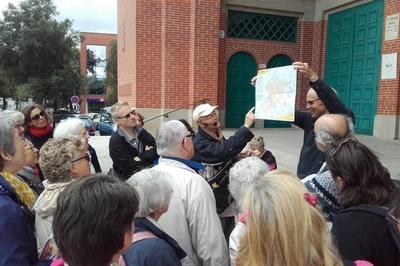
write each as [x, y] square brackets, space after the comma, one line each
[196, 166]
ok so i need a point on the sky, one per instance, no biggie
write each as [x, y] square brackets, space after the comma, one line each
[87, 15]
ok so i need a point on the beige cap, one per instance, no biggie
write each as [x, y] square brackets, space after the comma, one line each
[203, 110]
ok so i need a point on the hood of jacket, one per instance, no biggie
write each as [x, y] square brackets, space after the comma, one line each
[46, 204]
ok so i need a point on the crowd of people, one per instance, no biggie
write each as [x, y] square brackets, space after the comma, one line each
[190, 196]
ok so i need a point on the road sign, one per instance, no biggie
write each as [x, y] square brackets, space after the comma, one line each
[74, 99]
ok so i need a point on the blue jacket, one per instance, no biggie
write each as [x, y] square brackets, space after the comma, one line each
[17, 238]
[161, 250]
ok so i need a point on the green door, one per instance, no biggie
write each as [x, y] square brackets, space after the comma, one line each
[353, 60]
[278, 61]
[240, 95]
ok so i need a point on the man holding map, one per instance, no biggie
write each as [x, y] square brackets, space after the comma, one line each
[321, 99]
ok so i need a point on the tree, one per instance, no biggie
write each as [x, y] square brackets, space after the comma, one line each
[38, 52]
[112, 73]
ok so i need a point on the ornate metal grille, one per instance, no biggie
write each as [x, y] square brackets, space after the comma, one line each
[261, 26]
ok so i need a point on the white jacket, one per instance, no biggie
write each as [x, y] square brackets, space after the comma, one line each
[192, 219]
[45, 208]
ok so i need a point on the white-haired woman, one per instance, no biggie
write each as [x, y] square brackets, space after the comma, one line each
[151, 246]
[243, 174]
[61, 161]
[76, 127]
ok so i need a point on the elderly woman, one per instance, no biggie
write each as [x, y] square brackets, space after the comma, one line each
[38, 128]
[30, 172]
[17, 238]
[62, 161]
[151, 246]
[241, 176]
[257, 148]
[365, 186]
[76, 127]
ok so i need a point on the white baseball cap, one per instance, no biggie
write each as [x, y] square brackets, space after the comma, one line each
[203, 110]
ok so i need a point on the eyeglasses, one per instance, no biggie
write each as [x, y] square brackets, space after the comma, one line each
[312, 101]
[128, 115]
[86, 157]
[191, 135]
[37, 116]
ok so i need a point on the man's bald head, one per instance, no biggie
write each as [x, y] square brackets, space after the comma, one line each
[314, 104]
[331, 129]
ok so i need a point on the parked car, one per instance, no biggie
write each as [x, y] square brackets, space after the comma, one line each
[106, 125]
[95, 117]
[61, 114]
[89, 125]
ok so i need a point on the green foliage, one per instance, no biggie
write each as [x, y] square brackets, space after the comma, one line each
[38, 53]
[112, 73]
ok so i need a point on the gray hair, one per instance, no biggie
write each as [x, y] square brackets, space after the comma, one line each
[7, 131]
[115, 110]
[153, 188]
[16, 116]
[257, 142]
[169, 137]
[56, 157]
[326, 139]
[69, 127]
[244, 173]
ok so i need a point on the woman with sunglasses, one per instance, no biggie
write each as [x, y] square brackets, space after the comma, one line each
[363, 181]
[38, 128]
[62, 161]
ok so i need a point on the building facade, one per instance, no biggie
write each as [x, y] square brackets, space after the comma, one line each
[93, 53]
[174, 54]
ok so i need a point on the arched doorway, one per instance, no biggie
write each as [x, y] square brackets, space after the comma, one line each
[239, 92]
[278, 61]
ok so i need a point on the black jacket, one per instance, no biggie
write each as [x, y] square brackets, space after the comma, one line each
[38, 142]
[157, 251]
[122, 153]
[311, 158]
[364, 236]
[209, 150]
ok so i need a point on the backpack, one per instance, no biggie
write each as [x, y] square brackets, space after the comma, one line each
[390, 214]
[217, 176]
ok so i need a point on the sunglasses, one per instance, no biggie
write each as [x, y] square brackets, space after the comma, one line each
[37, 116]
[313, 101]
[128, 115]
[86, 157]
[333, 151]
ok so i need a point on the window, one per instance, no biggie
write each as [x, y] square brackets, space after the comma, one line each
[261, 26]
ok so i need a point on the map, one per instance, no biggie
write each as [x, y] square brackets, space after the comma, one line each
[276, 93]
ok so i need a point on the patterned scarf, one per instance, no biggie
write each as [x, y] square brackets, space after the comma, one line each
[24, 192]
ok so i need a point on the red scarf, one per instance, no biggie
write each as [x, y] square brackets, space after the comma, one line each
[40, 131]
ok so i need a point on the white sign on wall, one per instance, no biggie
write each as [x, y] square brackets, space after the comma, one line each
[392, 27]
[389, 66]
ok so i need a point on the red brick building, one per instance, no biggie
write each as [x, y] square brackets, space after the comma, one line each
[173, 54]
[93, 99]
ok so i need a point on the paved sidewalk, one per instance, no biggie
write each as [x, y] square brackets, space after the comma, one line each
[285, 144]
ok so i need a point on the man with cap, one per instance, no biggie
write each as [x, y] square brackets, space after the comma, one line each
[131, 147]
[218, 154]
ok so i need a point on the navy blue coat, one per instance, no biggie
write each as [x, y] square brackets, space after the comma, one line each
[161, 250]
[17, 239]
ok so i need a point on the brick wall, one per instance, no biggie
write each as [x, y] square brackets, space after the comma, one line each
[174, 62]
[389, 91]
[92, 38]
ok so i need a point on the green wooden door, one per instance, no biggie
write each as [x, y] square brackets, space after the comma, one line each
[353, 60]
[240, 95]
[278, 61]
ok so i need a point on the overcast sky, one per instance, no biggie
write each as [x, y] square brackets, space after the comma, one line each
[87, 15]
